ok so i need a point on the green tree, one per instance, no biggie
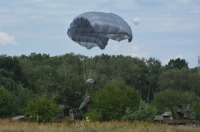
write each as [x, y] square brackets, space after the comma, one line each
[154, 70]
[6, 79]
[133, 70]
[182, 80]
[70, 86]
[195, 107]
[166, 100]
[194, 83]
[7, 105]
[11, 64]
[146, 112]
[110, 102]
[42, 109]
[177, 64]
[22, 97]
[13, 103]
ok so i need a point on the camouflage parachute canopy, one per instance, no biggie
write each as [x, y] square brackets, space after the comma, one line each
[94, 29]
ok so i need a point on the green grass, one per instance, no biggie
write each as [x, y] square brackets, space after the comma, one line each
[82, 126]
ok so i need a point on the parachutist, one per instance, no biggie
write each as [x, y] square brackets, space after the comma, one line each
[85, 102]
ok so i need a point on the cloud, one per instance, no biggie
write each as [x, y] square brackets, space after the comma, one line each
[6, 39]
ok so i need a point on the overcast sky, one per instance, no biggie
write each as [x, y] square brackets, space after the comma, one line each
[168, 29]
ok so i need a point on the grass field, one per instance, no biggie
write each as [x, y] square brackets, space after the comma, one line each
[18, 126]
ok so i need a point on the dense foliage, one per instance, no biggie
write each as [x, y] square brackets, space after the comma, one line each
[26, 77]
[112, 100]
[145, 112]
[166, 100]
[42, 108]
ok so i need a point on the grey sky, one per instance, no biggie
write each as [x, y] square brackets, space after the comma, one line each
[168, 28]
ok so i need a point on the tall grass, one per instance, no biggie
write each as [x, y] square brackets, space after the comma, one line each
[18, 126]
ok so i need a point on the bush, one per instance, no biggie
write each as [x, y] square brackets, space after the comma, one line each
[12, 103]
[22, 97]
[196, 108]
[146, 112]
[166, 100]
[42, 109]
[110, 102]
[94, 115]
[7, 105]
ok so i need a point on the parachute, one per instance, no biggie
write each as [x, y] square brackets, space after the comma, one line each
[94, 29]
[136, 20]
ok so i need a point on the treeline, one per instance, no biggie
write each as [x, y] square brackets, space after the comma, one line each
[124, 87]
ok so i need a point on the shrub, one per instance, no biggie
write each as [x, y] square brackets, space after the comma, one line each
[94, 115]
[12, 103]
[195, 108]
[7, 105]
[111, 101]
[146, 112]
[166, 100]
[42, 109]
